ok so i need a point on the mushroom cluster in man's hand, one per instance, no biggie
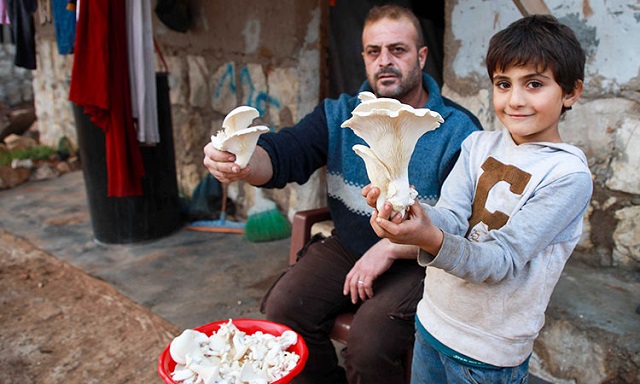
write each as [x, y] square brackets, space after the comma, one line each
[392, 130]
[237, 137]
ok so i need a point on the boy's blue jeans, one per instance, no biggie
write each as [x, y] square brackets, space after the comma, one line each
[430, 366]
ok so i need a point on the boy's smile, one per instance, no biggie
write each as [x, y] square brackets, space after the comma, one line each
[529, 103]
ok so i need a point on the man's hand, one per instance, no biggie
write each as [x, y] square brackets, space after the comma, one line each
[221, 165]
[359, 281]
[371, 194]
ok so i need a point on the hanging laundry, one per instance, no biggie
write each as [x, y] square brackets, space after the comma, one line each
[21, 17]
[64, 22]
[142, 70]
[100, 84]
[4, 16]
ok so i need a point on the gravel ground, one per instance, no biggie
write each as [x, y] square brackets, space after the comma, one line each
[62, 326]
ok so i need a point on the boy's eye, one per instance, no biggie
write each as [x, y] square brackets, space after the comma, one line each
[535, 84]
[502, 85]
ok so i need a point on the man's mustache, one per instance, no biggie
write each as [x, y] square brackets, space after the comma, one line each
[392, 71]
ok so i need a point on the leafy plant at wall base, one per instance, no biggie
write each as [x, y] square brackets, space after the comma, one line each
[34, 153]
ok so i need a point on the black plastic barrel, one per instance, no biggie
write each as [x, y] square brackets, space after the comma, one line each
[120, 220]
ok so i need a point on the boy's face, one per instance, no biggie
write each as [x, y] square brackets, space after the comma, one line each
[391, 57]
[529, 103]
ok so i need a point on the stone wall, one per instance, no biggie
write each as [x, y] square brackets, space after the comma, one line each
[267, 56]
[605, 123]
[51, 87]
[16, 82]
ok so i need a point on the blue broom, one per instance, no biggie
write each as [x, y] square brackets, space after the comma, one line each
[222, 225]
[265, 222]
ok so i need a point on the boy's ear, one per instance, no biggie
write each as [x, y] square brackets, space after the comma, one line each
[570, 98]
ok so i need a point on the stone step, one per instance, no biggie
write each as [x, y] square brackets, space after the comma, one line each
[592, 330]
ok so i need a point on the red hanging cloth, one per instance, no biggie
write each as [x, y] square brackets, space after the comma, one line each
[100, 83]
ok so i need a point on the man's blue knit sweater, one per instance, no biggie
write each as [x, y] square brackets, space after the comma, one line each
[318, 140]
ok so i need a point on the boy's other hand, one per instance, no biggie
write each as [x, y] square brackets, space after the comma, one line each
[416, 229]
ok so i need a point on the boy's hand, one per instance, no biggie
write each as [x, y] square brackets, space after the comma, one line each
[416, 229]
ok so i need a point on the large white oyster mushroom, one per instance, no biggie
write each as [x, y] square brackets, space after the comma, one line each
[392, 130]
[237, 137]
[187, 343]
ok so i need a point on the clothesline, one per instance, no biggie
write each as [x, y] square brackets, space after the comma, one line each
[120, 57]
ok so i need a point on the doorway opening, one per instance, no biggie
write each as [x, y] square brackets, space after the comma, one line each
[346, 19]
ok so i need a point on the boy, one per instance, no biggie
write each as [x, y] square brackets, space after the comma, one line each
[508, 219]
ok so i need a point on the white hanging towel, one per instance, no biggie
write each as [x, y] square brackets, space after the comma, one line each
[142, 72]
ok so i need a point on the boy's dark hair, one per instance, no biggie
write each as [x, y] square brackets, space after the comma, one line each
[542, 41]
[395, 12]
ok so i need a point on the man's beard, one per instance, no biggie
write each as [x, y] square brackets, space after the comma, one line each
[405, 85]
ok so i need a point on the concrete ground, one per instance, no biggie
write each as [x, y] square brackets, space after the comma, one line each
[192, 278]
[189, 278]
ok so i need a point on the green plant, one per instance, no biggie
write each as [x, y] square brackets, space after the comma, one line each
[35, 153]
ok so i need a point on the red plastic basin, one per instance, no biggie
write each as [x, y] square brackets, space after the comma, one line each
[166, 365]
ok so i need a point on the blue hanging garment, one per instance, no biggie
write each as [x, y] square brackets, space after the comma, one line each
[64, 21]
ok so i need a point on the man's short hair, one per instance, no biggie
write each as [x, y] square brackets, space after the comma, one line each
[395, 12]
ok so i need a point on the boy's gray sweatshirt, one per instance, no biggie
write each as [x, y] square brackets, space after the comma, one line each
[511, 216]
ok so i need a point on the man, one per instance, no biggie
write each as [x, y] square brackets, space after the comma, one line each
[353, 269]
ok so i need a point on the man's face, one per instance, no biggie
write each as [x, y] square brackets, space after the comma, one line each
[391, 57]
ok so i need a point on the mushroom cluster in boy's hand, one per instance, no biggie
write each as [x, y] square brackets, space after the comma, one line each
[391, 129]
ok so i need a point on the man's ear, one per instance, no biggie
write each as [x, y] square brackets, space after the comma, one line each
[422, 56]
[570, 98]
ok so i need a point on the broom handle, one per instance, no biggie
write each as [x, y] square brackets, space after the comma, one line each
[223, 208]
